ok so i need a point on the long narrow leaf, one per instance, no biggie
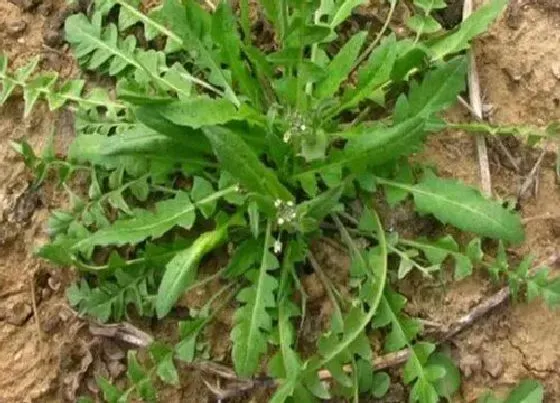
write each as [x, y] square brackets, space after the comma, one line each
[242, 163]
[463, 207]
[252, 321]
[179, 211]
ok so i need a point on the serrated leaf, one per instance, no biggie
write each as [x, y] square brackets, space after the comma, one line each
[239, 160]
[372, 75]
[197, 112]
[338, 347]
[184, 20]
[33, 89]
[178, 211]
[338, 69]
[464, 207]
[252, 321]
[476, 24]
[438, 90]
[181, 271]
[225, 34]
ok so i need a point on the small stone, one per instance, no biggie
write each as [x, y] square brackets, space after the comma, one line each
[16, 28]
[19, 314]
[492, 365]
[470, 364]
[54, 283]
[45, 293]
[52, 38]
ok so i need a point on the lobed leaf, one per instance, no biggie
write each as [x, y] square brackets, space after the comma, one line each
[237, 158]
[252, 322]
[476, 24]
[179, 211]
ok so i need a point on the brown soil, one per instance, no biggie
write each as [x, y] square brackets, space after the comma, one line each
[54, 358]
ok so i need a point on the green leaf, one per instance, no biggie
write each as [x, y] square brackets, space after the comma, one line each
[423, 24]
[237, 158]
[341, 65]
[244, 257]
[33, 89]
[186, 21]
[337, 348]
[540, 285]
[380, 384]
[110, 393]
[463, 207]
[339, 10]
[476, 24]
[429, 5]
[437, 91]
[252, 321]
[197, 112]
[225, 34]
[254, 224]
[189, 331]
[450, 383]
[181, 271]
[178, 211]
[201, 190]
[372, 75]
[528, 391]
[163, 358]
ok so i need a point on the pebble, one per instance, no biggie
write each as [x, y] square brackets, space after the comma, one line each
[470, 364]
[492, 365]
[19, 314]
[16, 28]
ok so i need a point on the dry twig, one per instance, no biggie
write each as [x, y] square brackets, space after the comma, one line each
[531, 178]
[35, 311]
[476, 105]
[123, 331]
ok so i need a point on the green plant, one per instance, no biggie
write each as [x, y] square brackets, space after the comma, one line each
[214, 141]
[528, 391]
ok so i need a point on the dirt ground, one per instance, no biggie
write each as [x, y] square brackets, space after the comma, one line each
[48, 354]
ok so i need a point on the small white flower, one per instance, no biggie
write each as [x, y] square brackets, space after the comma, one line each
[277, 246]
[293, 215]
[290, 203]
[302, 128]
[281, 221]
[278, 203]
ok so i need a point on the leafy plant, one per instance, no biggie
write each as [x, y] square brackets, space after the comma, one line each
[213, 140]
[528, 391]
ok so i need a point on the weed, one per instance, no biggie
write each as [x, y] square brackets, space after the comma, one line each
[212, 141]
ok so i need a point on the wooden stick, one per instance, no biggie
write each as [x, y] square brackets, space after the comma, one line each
[475, 100]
